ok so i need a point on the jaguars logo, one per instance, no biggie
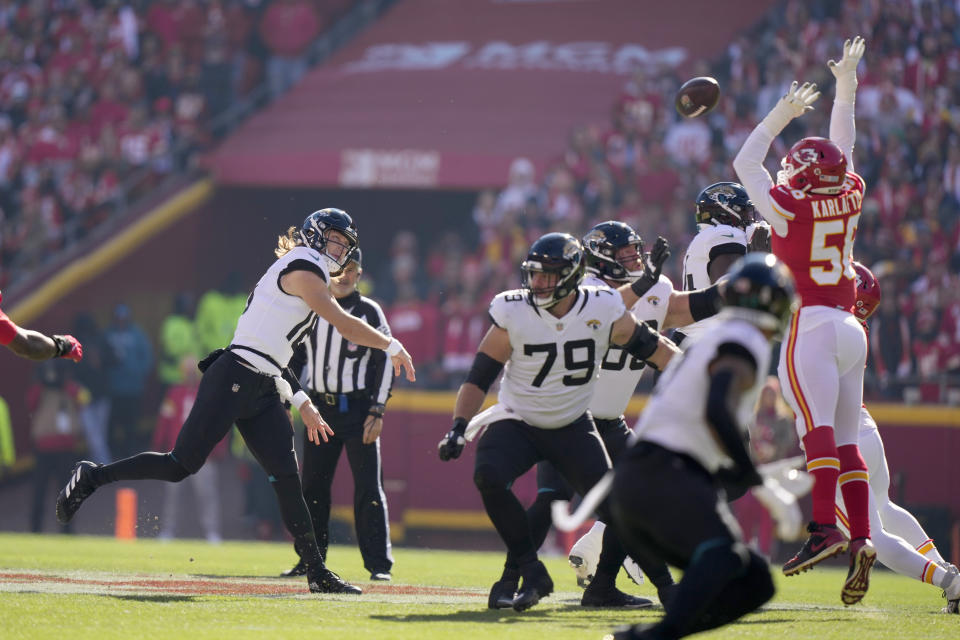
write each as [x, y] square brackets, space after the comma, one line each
[593, 324]
[653, 300]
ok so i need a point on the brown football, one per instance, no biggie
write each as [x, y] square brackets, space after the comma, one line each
[697, 96]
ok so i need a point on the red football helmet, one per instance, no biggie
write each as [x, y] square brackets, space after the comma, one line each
[817, 164]
[868, 292]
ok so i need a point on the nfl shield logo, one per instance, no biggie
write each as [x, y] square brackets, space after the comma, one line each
[235, 387]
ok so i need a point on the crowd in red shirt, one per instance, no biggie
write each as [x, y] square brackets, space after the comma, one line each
[96, 95]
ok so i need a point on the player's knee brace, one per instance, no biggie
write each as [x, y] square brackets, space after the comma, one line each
[486, 477]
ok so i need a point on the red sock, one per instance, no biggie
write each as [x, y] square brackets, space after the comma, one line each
[824, 466]
[855, 487]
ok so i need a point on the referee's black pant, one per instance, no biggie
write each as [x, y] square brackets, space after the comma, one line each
[681, 515]
[369, 499]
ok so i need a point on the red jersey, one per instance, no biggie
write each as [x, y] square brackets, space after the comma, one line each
[818, 246]
[8, 330]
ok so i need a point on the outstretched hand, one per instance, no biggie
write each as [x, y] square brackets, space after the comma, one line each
[799, 100]
[852, 52]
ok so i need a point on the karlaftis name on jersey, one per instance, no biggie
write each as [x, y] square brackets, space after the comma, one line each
[842, 205]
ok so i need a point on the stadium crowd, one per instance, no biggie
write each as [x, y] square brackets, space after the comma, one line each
[100, 99]
[647, 165]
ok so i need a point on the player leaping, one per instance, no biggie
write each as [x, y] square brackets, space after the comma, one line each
[814, 209]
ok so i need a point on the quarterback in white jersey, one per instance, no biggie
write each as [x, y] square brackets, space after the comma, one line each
[549, 339]
[665, 497]
[246, 383]
[725, 228]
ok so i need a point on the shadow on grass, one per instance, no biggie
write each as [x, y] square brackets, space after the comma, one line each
[160, 598]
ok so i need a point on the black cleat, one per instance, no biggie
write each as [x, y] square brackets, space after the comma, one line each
[537, 584]
[78, 488]
[381, 576]
[326, 581]
[299, 569]
[504, 590]
[610, 596]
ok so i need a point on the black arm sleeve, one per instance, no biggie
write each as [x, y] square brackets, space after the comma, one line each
[723, 421]
[705, 302]
[484, 371]
[643, 343]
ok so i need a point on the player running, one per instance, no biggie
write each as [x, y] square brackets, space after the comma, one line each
[814, 209]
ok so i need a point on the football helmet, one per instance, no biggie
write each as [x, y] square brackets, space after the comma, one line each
[555, 253]
[725, 203]
[319, 223]
[760, 289]
[868, 292]
[601, 245]
[815, 164]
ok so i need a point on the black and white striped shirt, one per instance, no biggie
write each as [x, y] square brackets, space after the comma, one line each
[328, 363]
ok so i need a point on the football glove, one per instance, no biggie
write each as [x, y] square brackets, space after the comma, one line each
[797, 101]
[758, 237]
[452, 444]
[652, 267]
[68, 347]
[846, 70]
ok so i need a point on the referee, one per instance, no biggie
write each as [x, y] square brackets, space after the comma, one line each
[349, 385]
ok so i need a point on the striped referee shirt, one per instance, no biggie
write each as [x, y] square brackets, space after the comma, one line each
[328, 363]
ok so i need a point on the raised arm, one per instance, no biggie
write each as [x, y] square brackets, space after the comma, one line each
[314, 291]
[842, 123]
[749, 161]
[643, 342]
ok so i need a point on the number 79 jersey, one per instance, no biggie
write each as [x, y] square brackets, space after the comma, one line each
[818, 246]
[551, 375]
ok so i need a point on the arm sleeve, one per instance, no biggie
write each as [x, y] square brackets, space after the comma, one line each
[756, 180]
[843, 128]
[382, 375]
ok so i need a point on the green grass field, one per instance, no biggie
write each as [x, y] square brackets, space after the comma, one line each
[85, 587]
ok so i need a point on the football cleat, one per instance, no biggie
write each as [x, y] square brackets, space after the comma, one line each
[504, 590]
[326, 581]
[825, 541]
[381, 576]
[78, 488]
[537, 584]
[299, 569]
[611, 597]
[951, 589]
[862, 556]
[581, 567]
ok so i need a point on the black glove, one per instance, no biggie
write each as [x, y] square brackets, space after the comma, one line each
[736, 482]
[452, 444]
[760, 241]
[652, 267]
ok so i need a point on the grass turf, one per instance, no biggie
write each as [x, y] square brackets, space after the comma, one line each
[74, 598]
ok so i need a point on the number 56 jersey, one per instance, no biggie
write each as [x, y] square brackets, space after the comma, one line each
[551, 375]
[818, 245]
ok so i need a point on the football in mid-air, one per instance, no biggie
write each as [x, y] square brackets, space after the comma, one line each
[697, 96]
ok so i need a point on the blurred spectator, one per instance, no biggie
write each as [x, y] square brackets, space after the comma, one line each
[130, 362]
[91, 374]
[178, 339]
[8, 453]
[174, 410]
[54, 403]
[287, 28]
[217, 313]
[890, 345]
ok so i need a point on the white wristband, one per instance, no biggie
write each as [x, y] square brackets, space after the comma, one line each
[299, 398]
[394, 348]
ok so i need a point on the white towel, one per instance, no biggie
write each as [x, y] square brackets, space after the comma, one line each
[488, 416]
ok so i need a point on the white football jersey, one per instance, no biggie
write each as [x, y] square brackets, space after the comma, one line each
[550, 377]
[620, 372]
[675, 418]
[709, 242]
[274, 321]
